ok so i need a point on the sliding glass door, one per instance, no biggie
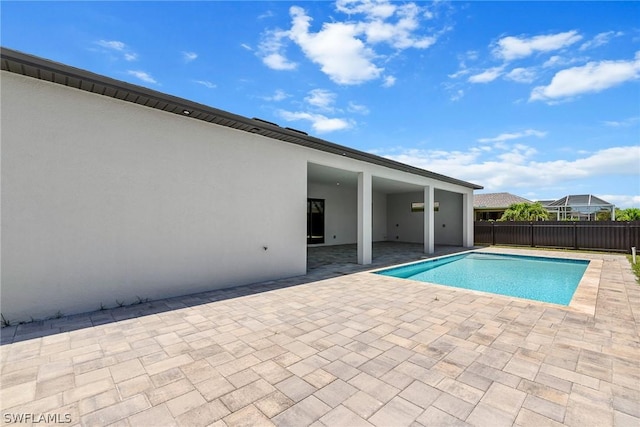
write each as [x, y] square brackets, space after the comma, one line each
[315, 221]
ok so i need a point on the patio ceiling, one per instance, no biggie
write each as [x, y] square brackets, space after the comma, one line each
[332, 176]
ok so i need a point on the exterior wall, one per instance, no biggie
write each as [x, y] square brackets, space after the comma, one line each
[402, 224]
[379, 217]
[341, 210]
[406, 226]
[105, 200]
[448, 219]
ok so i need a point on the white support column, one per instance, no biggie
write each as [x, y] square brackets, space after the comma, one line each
[429, 246]
[364, 217]
[467, 220]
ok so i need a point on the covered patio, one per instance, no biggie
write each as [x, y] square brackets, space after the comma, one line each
[366, 214]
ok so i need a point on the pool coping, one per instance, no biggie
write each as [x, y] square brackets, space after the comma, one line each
[583, 300]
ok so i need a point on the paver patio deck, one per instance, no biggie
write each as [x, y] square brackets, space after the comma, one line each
[337, 347]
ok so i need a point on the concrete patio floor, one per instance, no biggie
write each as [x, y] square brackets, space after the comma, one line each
[335, 348]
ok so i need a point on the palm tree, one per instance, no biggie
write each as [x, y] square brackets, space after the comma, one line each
[525, 212]
[629, 214]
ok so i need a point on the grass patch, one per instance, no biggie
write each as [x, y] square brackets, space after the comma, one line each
[635, 267]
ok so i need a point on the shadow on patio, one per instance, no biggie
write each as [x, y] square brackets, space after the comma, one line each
[322, 263]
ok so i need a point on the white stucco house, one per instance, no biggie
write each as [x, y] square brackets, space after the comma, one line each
[112, 191]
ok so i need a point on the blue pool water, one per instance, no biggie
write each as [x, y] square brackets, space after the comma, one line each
[551, 280]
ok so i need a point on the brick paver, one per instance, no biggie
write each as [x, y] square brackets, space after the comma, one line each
[340, 346]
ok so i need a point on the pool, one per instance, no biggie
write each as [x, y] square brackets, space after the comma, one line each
[544, 279]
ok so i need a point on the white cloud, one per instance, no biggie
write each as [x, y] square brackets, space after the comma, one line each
[621, 201]
[600, 39]
[271, 49]
[510, 48]
[592, 77]
[517, 135]
[119, 47]
[398, 34]
[486, 76]
[553, 61]
[344, 50]
[376, 25]
[521, 75]
[206, 84]
[461, 72]
[112, 44]
[267, 14]
[277, 61]
[358, 108]
[245, 46]
[457, 95]
[321, 98]
[373, 9]
[389, 81]
[142, 75]
[557, 61]
[319, 122]
[189, 56]
[631, 121]
[517, 155]
[279, 95]
[340, 54]
[470, 55]
[515, 167]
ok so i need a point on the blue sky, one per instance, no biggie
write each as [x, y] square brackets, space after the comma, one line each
[539, 99]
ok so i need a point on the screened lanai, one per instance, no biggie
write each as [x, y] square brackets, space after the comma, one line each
[582, 207]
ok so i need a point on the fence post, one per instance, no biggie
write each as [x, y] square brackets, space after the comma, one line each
[575, 235]
[531, 233]
[493, 233]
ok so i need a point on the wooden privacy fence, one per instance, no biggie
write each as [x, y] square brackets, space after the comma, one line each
[614, 236]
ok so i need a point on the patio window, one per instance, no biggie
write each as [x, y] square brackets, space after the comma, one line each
[419, 206]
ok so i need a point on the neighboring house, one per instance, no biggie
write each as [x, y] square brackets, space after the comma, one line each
[582, 207]
[491, 206]
[112, 191]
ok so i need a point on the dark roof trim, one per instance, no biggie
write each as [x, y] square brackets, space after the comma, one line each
[44, 69]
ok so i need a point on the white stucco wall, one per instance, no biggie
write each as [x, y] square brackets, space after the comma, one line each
[402, 224]
[103, 200]
[448, 219]
[406, 226]
[379, 220]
